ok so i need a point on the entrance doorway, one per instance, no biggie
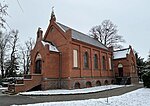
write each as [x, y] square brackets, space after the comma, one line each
[120, 70]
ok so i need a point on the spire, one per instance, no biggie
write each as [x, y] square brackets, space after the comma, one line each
[53, 15]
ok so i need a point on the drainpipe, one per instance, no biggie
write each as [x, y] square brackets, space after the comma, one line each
[60, 69]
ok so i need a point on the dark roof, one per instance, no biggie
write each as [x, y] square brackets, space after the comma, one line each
[82, 37]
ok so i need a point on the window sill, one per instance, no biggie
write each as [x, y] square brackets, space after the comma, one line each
[76, 68]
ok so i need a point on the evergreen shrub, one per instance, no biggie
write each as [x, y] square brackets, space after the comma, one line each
[146, 79]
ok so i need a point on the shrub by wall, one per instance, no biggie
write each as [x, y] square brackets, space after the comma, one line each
[146, 79]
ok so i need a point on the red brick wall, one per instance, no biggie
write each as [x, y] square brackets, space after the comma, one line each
[91, 72]
[52, 66]
[124, 62]
[60, 39]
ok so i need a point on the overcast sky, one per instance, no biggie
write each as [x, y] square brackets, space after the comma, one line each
[131, 17]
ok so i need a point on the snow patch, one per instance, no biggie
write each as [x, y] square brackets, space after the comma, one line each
[75, 91]
[138, 97]
[51, 47]
[121, 53]
[3, 88]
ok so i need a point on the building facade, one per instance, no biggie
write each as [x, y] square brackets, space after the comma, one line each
[125, 66]
[68, 59]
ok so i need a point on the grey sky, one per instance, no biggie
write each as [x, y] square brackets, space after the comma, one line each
[131, 17]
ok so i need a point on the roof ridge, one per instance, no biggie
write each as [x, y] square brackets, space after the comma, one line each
[74, 29]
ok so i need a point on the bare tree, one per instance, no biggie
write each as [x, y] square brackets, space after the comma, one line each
[3, 13]
[25, 51]
[4, 39]
[107, 34]
[12, 64]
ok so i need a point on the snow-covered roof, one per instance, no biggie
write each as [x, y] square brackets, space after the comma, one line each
[51, 46]
[121, 53]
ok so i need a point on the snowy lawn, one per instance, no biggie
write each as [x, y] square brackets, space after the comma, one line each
[3, 88]
[75, 91]
[140, 97]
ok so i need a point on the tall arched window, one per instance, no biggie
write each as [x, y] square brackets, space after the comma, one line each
[103, 63]
[95, 61]
[38, 67]
[86, 60]
[38, 64]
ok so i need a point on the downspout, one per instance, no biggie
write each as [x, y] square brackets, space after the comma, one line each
[60, 69]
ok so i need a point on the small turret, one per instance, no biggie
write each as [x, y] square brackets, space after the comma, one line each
[53, 15]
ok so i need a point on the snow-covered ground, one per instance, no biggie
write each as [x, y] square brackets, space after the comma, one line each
[75, 91]
[3, 88]
[140, 97]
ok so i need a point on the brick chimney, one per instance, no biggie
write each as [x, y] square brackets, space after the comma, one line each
[111, 48]
[39, 34]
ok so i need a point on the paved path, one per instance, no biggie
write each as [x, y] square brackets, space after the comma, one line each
[7, 100]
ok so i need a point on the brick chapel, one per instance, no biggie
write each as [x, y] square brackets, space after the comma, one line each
[65, 58]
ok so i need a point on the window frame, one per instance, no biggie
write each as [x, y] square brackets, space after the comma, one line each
[110, 63]
[75, 58]
[103, 63]
[95, 61]
[38, 66]
[86, 60]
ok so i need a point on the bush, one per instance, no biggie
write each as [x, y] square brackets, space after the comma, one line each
[146, 79]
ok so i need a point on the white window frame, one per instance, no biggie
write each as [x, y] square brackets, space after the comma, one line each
[110, 64]
[75, 58]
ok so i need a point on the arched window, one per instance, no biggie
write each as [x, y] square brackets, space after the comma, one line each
[38, 64]
[103, 63]
[77, 85]
[38, 67]
[106, 82]
[86, 60]
[95, 61]
[88, 84]
[98, 83]
[112, 81]
[120, 65]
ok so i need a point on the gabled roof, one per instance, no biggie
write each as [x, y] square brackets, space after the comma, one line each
[82, 37]
[121, 53]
